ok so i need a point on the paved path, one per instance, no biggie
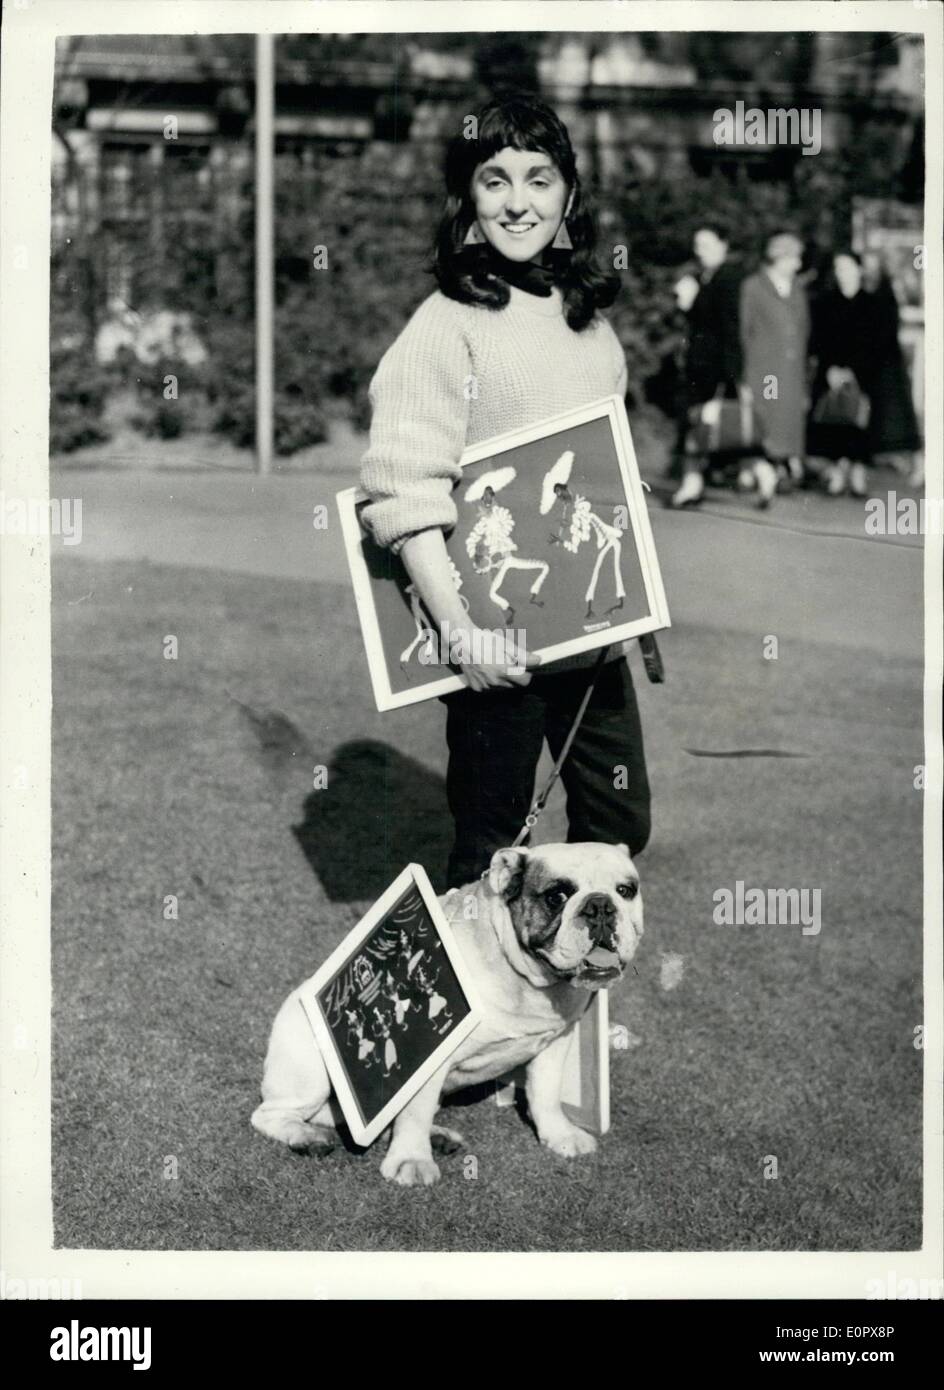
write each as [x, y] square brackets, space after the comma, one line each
[806, 569]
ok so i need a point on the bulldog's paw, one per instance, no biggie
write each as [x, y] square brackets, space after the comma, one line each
[569, 1142]
[445, 1141]
[305, 1138]
[410, 1172]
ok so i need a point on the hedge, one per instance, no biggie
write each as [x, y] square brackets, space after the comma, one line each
[339, 307]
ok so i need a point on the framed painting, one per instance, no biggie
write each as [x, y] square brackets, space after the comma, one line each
[553, 544]
[390, 1004]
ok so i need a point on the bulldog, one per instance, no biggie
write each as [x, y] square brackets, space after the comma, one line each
[539, 932]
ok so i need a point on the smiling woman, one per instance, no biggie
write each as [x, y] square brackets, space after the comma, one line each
[513, 338]
[516, 214]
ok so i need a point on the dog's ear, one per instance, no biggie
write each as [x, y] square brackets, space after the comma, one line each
[625, 849]
[506, 872]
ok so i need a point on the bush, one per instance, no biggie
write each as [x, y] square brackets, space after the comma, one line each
[79, 390]
[374, 212]
[374, 215]
[168, 416]
[297, 423]
[299, 420]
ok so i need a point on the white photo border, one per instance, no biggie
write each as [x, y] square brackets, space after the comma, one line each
[27, 59]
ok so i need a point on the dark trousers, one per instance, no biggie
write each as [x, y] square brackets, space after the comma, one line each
[495, 739]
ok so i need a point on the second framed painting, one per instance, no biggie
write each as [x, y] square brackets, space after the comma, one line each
[552, 544]
[390, 1004]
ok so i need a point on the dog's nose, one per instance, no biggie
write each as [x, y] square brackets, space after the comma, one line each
[599, 912]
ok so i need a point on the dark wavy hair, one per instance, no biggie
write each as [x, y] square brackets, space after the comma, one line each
[465, 272]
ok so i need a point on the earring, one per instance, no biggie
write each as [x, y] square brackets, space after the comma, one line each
[474, 236]
[562, 241]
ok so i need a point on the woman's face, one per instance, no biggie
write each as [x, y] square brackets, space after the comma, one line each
[520, 200]
[709, 248]
[848, 275]
[788, 264]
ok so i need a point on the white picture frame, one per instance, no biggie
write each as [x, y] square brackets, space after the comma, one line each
[365, 1121]
[380, 599]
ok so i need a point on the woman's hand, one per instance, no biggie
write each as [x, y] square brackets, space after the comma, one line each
[711, 413]
[487, 658]
[495, 659]
[836, 377]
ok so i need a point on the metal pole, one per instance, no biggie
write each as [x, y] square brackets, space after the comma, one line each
[265, 302]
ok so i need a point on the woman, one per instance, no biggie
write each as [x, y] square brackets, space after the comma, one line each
[513, 336]
[893, 428]
[712, 368]
[775, 330]
[842, 344]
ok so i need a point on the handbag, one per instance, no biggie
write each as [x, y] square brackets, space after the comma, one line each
[846, 405]
[736, 427]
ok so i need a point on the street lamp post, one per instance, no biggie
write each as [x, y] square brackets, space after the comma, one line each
[265, 121]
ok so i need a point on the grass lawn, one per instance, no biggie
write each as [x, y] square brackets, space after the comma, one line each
[192, 777]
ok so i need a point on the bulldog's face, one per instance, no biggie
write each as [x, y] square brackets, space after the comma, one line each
[576, 908]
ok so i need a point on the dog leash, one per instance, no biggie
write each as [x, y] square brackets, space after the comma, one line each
[540, 801]
[652, 659]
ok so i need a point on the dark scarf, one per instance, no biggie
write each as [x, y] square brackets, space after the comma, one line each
[531, 276]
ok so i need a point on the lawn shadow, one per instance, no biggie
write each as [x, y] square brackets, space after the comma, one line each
[379, 812]
[484, 1091]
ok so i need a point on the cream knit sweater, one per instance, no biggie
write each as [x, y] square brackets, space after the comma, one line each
[459, 374]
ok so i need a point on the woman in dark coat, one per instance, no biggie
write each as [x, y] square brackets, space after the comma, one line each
[894, 427]
[712, 364]
[775, 330]
[842, 344]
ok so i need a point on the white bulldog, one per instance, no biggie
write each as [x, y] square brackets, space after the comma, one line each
[548, 925]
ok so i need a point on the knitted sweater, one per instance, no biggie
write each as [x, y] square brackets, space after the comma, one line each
[459, 374]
